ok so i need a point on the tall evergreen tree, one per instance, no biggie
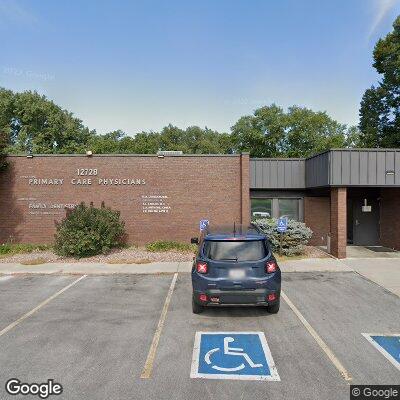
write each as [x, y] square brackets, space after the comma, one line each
[380, 105]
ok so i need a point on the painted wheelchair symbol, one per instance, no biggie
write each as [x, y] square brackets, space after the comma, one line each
[231, 351]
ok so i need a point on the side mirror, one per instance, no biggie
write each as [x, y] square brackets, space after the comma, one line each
[194, 240]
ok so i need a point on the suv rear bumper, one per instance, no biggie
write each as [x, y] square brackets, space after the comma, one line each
[218, 297]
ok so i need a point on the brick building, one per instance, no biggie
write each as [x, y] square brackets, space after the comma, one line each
[344, 196]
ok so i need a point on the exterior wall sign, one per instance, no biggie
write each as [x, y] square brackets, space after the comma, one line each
[158, 198]
[85, 177]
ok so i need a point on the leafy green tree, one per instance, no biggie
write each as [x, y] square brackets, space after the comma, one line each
[380, 105]
[263, 133]
[193, 140]
[3, 145]
[36, 124]
[299, 132]
[106, 144]
[308, 132]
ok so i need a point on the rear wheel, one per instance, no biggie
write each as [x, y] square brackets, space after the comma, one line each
[274, 308]
[197, 308]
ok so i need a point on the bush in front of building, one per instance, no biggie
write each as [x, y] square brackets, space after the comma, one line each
[293, 240]
[87, 231]
[163, 245]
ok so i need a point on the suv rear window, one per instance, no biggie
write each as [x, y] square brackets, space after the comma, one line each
[249, 250]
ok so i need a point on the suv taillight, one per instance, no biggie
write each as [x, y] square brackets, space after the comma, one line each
[201, 267]
[270, 267]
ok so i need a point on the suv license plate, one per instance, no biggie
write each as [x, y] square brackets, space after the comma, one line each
[237, 273]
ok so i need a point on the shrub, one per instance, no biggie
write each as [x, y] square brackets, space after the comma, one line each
[162, 245]
[87, 231]
[293, 240]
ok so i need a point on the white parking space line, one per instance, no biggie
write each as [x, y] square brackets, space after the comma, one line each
[339, 366]
[42, 304]
[148, 366]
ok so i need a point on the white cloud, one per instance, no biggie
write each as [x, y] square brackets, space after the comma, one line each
[382, 8]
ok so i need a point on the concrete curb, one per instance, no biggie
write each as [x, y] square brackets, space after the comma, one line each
[305, 265]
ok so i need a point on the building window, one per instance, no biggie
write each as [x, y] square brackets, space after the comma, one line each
[276, 207]
[261, 208]
[289, 208]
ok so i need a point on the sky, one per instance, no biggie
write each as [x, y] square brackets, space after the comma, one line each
[140, 65]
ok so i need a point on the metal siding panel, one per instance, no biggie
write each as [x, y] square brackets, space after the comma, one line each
[389, 179]
[310, 173]
[336, 163]
[372, 168]
[355, 168]
[287, 165]
[280, 174]
[253, 166]
[260, 174]
[302, 174]
[346, 167]
[325, 169]
[397, 168]
[363, 168]
[274, 174]
[271, 173]
[319, 166]
[380, 167]
[315, 171]
[255, 170]
[264, 171]
[294, 172]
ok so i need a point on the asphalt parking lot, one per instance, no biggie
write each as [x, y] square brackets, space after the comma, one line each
[93, 335]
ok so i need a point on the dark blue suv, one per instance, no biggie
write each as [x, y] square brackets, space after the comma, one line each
[235, 266]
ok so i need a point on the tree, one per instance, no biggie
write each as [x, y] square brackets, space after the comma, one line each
[299, 132]
[3, 146]
[380, 105]
[262, 134]
[193, 140]
[310, 132]
[36, 124]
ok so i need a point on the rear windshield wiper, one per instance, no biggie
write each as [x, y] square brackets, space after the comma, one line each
[228, 259]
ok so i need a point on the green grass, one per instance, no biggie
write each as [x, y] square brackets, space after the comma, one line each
[8, 249]
[161, 245]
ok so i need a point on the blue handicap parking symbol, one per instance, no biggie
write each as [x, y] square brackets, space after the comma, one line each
[387, 344]
[203, 224]
[232, 355]
[282, 224]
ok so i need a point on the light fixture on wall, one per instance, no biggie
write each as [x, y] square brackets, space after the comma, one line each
[390, 172]
[365, 207]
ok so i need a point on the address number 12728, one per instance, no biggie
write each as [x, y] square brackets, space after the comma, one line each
[87, 171]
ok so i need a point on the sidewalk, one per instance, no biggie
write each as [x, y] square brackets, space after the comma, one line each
[306, 265]
[95, 268]
[383, 271]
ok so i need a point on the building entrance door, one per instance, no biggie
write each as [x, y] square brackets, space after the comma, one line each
[365, 222]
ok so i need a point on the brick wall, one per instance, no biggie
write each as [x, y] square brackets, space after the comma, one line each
[191, 188]
[338, 222]
[317, 217]
[390, 218]
[245, 184]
